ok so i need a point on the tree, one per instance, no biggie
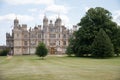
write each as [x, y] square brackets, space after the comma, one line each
[117, 42]
[90, 24]
[41, 50]
[102, 46]
[69, 50]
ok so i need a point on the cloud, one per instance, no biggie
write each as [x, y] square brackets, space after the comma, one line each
[65, 20]
[57, 9]
[33, 10]
[41, 16]
[12, 16]
[19, 2]
[116, 17]
[7, 17]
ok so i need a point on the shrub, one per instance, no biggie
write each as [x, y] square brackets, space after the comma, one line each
[4, 52]
[41, 50]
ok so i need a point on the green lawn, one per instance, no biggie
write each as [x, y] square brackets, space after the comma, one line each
[59, 68]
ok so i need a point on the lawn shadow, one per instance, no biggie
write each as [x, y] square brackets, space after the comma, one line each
[90, 57]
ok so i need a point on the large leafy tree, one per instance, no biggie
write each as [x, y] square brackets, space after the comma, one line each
[41, 50]
[102, 46]
[90, 24]
[117, 42]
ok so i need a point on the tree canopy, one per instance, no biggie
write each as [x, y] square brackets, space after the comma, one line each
[90, 24]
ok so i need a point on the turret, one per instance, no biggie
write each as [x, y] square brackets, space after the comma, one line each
[74, 27]
[45, 21]
[16, 22]
[51, 24]
[58, 21]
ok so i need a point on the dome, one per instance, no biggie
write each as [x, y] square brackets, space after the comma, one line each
[51, 21]
[45, 19]
[16, 20]
[58, 19]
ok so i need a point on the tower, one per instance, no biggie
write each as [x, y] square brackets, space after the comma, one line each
[17, 37]
[45, 29]
[45, 21]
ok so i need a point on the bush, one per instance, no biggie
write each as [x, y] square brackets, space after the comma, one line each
[4, 52]
[41, 50]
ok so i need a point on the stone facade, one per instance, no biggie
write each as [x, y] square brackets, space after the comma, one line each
[24, 41]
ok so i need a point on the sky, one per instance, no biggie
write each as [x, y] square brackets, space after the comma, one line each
[31, 12]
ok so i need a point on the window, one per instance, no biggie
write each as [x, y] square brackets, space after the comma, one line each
[33, 35]
[39, 35]
[56, 30]
[64, 36]
[59, 29]
[25, 36]
[59, 35]
[59, 42]
[25, 43]
[33, 42]
[51, 29]
[52, 44]
[52, 35]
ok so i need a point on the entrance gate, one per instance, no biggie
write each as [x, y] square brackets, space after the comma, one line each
[52, 50]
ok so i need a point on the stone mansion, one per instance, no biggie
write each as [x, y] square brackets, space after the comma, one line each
[24, 41]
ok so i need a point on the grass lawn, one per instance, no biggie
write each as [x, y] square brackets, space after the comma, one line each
[59, 68]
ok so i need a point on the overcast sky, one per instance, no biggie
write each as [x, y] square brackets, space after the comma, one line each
[31, 12]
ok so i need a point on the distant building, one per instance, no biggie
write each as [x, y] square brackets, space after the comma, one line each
[24, 41]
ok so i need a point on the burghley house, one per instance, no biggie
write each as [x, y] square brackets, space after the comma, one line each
[24, 40]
